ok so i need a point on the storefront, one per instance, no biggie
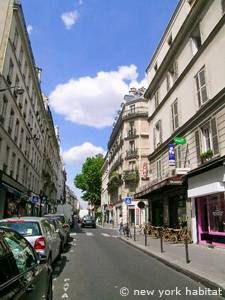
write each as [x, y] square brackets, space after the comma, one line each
[167, 202]
[206, 188]
[12, 197]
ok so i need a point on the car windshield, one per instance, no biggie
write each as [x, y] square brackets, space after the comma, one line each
[24, 228]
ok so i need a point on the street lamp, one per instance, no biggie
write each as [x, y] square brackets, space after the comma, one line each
[18, 90]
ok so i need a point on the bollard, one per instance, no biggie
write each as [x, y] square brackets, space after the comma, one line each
[145, 239]
[161, 240]
[186, 250]
[134, 233]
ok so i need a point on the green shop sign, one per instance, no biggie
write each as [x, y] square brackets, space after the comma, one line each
[180, 141]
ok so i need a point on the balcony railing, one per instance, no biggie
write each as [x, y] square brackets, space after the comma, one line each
[132, 153]
[131, 176]
[142, 111]
[131, 134]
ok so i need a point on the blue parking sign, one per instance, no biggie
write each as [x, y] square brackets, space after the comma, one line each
[128, 200]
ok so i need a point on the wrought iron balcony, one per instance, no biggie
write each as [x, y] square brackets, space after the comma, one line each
[132, 153]
[131, 134]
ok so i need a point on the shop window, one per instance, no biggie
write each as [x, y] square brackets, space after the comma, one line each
[174, 113]
[216, 212]
[200, 80]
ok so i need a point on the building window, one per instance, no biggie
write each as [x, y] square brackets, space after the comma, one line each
[21, 139]
[157, 133]
[168, 81]
[10, 72]
[12, 166]
[170, 40]
[132, 108]
[196, 40]
[3, 110]
[131, 146]
[206, 139]
[18, 169]
[20, 59]
[156, 66]
[25, 70]
[156, 99]
[11, 122]
[5, 166]
[15, 40]
[223, 6]
[25, 109]
[175, 117]
[201, 87]
[132, 165]
[159, 169]
[16, 131]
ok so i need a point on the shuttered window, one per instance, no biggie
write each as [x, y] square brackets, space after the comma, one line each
[159, 169]
[174, 112]
[201, 87]
[215, 141]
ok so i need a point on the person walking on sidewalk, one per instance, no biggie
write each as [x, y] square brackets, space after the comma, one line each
[120, 225]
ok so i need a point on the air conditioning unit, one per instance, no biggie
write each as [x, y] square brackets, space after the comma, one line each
[181, 171]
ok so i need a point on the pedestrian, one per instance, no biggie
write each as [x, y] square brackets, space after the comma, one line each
[120, 225]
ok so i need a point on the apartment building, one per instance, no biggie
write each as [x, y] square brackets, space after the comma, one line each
[25, 121]
[186, 96]
[126, 162]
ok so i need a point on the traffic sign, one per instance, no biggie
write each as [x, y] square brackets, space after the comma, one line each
[128, 200]
[180, 141]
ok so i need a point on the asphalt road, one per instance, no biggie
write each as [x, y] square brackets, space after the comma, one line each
[99, 266]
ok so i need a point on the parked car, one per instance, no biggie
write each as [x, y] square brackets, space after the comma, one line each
[66, 226]
[22, 275]
[56, 222]
[39, 232]
[88, 221]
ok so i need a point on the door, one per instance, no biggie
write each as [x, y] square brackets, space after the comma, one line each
[202, 225]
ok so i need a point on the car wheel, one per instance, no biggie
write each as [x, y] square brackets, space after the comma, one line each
[49, 292]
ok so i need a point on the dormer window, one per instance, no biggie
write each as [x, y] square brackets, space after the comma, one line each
[196, 40]
[156, 66]
[170, 40]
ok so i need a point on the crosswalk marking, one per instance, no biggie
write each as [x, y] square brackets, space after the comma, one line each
[89, 234]
[105, 234]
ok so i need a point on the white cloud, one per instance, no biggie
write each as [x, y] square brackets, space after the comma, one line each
[78, 154]
[69, 18]
[80, 2]
[29, 28]
[93, 101]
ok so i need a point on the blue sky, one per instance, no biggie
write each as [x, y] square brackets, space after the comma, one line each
[91, 53]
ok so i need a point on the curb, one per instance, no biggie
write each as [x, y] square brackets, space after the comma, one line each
[206, 282]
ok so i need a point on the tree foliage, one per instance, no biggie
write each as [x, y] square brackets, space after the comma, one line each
[90, 178]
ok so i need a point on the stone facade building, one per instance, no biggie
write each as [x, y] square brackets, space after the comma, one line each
[126, 162]
[186, 95]
[29, 151]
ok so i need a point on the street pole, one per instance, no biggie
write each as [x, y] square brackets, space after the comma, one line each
[186, 249]
[145, 238]
[161, 240]
[134, 233]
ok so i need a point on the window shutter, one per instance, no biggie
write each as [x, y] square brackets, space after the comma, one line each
[175, 70]
[198, 147]
[160, 131]
[172, 117]
[154, 138]
[214, 137]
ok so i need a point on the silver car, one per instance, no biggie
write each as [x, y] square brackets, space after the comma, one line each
[39, 232]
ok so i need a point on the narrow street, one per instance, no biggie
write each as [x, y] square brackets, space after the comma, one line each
[99, 266]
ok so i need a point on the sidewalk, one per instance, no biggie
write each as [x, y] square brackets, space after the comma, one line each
[206, 265]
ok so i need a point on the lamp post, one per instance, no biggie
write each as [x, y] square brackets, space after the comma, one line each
[18, 90]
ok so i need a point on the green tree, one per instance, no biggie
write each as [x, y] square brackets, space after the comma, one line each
[90, 178]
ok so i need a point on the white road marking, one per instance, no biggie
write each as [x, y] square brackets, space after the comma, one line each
[106, 234]
[73, 234]
[66, 286]
[71, 250]
[89, 234]
[66, 279]
[65, 296]
[115, 236]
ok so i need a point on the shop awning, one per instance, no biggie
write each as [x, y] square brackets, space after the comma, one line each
[11, 189]
[154, 186]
